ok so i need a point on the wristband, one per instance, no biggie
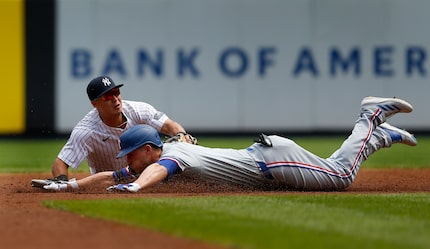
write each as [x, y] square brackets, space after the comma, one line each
[123, 174]
[62, 177]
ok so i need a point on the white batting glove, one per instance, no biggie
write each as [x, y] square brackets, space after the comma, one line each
[62, 185]
[56, 186]
[131, 187]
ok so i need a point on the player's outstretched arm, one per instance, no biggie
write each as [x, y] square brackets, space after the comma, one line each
[153, 174]
[99, 180]
[172, 128]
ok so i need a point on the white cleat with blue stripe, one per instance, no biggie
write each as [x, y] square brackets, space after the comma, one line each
[398, 135]
[388, 106]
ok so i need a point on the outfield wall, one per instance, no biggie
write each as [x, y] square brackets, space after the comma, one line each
[12, 67]
[296, 65]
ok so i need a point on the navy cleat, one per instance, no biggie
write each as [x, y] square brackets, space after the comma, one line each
[388, 106]
[398, 135]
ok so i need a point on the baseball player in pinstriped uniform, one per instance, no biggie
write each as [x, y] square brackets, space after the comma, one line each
[271, 162]
[96, 137]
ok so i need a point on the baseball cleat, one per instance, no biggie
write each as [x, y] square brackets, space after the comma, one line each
[398, 135]
[388, 106]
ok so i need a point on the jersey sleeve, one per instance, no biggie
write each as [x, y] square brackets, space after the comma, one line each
[171, 166]
[76, 148]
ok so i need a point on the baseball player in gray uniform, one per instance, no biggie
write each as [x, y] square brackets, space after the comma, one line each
[96, 137]
[271, 162]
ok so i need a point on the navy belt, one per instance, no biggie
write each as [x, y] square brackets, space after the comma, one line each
[265, 170]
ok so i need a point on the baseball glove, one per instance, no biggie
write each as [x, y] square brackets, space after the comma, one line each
[182, 137]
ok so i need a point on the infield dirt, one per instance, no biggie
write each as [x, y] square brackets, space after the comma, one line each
[26, 223]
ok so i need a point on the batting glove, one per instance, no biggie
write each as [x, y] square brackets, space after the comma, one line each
[56, 186]
[131, 187]
[61, 185]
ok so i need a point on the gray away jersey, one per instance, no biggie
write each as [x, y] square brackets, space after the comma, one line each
[286, 163]
[225, 165]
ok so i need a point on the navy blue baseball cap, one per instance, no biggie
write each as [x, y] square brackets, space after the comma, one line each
[136, 137]
[99, 86]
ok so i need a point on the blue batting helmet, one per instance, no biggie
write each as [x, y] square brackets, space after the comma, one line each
[136, 137]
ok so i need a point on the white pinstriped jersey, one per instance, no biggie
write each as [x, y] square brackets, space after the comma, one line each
[93, 140]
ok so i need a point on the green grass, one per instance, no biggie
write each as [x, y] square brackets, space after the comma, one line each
[278, 221]
[30, 155]
[26, 155]
[324, 220]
